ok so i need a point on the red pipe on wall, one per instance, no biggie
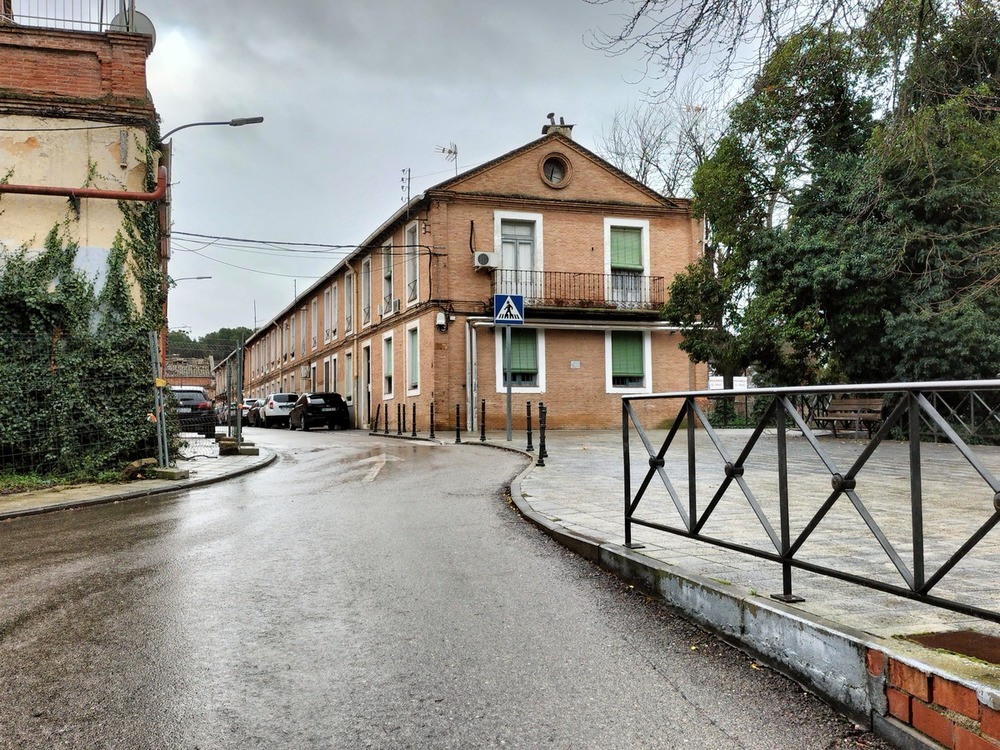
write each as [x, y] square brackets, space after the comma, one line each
[119, 195]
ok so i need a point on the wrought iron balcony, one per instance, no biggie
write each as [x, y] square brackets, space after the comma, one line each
[611, 291]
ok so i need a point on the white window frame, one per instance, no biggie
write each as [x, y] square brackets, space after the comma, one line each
[412, 358]
[388, 282]
[291, 337]
[643, 225]
[647, 363]
[348, 303]
[366, 292]
[540, 345]
[334, 320]
[412, 275]
[314, 319]
[327, 371]
[388, 345]
[327, 314]
[348, 393]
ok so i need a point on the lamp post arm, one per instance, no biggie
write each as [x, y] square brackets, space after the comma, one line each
[235, 123]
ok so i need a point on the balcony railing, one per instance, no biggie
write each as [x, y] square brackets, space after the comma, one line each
[75, 15]
[613, 291]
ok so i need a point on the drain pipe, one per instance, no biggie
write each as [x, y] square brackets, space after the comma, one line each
[118, 195]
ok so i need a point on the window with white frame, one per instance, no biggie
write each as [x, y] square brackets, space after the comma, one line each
[302, 327]
[348, 303]
[412, 360]
[327, 314]
[628, 361]
[387, 297]
[291, 337]
[348, 377]
[626, 252]
[314, 318]
[527, 359]
[518, 240]
[412, 263]
[333, 319]
[328, 385]
[366, 292]
[387, 366]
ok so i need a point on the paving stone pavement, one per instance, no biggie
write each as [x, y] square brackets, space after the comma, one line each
[581, 488]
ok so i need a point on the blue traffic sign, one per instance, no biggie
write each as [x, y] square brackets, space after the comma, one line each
[508, 309]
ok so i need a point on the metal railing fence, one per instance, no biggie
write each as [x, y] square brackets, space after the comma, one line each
[903, 543]
[75, 15]
[587, 290]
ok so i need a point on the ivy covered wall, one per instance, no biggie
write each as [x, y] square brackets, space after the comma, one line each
[75, 364]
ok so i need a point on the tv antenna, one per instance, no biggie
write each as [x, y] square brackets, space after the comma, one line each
[450, 153]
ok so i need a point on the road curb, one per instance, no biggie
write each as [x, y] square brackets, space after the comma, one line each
[182, 484]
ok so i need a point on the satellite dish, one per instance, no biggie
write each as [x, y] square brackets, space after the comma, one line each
[142, 26]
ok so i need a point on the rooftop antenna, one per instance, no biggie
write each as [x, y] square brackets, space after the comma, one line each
[450, 153]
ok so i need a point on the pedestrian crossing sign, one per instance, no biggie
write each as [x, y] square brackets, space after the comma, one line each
[508, 309]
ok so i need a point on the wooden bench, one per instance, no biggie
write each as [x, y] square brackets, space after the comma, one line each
[857, 412]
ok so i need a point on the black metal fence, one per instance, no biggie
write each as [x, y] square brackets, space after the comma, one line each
[923, 499]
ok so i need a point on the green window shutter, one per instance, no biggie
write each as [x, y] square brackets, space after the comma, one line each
[412, 358]
[626, 354]
[523, 350]
[626, 248]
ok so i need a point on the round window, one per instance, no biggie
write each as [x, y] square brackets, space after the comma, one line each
[555, 170]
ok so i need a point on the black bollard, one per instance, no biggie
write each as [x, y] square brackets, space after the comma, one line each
[378, 417]
[414, 425]
[543, 418]
[387, 419]
[399, 425]
[432, 420]
[458, 429]
[530, 446]
[482, 422]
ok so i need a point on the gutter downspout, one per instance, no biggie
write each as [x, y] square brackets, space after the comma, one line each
[119, 195]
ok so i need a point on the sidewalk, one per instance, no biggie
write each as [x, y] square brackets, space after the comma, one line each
[203, 466]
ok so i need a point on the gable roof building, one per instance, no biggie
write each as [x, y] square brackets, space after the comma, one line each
[407, 318]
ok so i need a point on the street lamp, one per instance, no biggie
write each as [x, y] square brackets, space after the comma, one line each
[235, 123]
[165, 218]
[188, 278]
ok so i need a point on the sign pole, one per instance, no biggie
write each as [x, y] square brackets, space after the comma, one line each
[506, 367]
[508, 310]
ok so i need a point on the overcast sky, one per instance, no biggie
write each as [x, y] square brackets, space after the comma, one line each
[352, 92]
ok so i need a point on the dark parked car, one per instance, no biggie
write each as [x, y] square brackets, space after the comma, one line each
[255, 417]
[194, 409]
[315, 409]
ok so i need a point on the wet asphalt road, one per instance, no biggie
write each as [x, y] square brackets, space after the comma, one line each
[359, 593]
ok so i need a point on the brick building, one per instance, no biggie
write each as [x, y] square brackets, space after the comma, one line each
[407, 318]
[75, 118]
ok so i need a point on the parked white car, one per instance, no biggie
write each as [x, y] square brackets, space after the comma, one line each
[276, 408]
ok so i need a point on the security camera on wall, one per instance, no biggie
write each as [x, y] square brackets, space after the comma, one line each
[441, 322]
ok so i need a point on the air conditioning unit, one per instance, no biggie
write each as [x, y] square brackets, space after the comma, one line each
[395, 305]
[485, 260]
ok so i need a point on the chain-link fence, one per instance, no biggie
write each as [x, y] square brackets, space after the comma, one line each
[75, 406]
